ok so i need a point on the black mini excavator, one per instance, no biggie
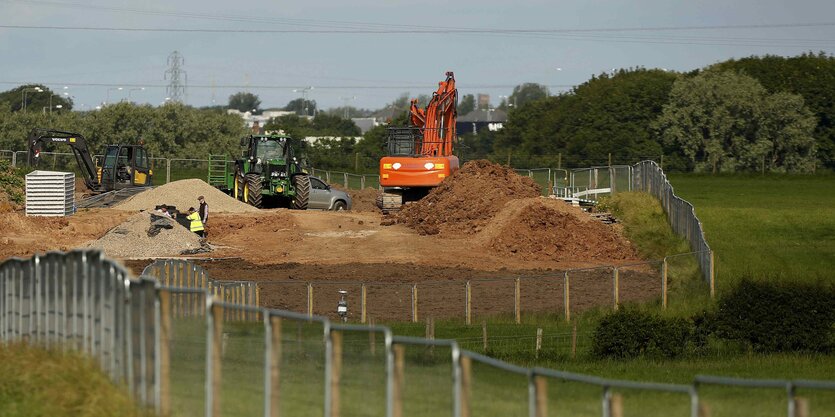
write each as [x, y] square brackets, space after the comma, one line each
[123, 166]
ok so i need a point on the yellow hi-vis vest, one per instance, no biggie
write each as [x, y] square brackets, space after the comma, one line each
[196, 224]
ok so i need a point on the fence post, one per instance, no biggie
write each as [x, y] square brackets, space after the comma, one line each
[345, 179]
[541, 387]
[616, 405]
[164, 352]
[664, 284]
[214, 358]
[336, 371]
[466, 382]
[414, 303]
[566, 297]
[310, 299]
[167, 170]
[14, 159]
[484, 334]
[275, 366]
[363, 297]
[615, 288]
[362, 182]
[469, 304]
[538, 342]
[399, 380]
[712, 276]
[517, 300]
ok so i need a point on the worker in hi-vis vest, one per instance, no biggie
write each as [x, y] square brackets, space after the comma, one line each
[196, 224]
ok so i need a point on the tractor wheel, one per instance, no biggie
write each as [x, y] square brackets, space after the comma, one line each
[238, 191]
[301, 183]
[252, 190]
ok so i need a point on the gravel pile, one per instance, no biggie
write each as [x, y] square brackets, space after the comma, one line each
[145, 235]
[183, 194]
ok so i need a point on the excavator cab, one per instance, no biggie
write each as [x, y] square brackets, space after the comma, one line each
[124, 166]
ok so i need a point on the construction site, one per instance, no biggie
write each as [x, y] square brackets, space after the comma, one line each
[484, 222]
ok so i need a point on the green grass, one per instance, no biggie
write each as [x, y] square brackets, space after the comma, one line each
[775, 227]
[38, 382]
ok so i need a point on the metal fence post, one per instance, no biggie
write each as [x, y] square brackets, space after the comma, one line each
[664, 284]
[468, 307]
[615, 288]
[517, 300]
[566, 296]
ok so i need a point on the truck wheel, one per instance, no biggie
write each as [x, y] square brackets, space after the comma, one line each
[252, 192]
[301, 183]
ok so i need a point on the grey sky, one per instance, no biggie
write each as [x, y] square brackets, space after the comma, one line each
[483, 62]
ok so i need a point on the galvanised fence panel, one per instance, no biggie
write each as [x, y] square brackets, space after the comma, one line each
[256, 361]
[648, 177]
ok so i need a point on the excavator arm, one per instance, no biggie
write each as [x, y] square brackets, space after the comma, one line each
[439, 119]
[39, 137]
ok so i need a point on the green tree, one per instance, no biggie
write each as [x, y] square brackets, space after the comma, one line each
[810, 75]
[38, 98]
[302, 107]
[526, 93]
[466, 105]
[244, 102]
[607, 114]
[725, 121]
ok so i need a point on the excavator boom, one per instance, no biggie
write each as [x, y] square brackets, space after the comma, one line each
[39, 137]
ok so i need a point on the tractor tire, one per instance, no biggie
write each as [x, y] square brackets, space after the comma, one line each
[301, 183]
[238, 191]
[252, 195]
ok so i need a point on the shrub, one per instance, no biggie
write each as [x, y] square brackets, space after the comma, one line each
[11, 182]
[631, 333]
[780, 317]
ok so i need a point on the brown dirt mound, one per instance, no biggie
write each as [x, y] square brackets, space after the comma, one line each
[131, 240]
[183, 194]
[364, 200]
[466, 201]
[541, 228]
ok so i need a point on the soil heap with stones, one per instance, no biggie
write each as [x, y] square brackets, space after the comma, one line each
[468, 200]
[145, 235]
[505, 213]
[182, 195]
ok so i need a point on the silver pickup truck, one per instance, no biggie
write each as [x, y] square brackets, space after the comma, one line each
[323, 197]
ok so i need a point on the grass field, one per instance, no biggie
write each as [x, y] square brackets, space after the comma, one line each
[774, 226]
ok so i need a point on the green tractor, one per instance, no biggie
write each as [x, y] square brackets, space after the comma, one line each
[270, 170]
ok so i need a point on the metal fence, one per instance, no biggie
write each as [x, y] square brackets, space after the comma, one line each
[284, 363]
[648, 177]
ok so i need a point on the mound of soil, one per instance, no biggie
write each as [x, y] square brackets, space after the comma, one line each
[183, 194]
[364, 200]
[135, 238]
[542, 228]
[465, 202]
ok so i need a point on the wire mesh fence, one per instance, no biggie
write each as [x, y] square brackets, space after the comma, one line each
[229, 359]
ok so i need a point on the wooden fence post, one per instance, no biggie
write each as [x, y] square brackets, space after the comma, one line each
[484, 334]
[616, 405]
[165, 352]
[466, 385]
[399, 379]
[664, 284]
[517, 298]
[372, 338]
[217, 349]
[275, 367]
[364, 297]
[574, 340]
[615, 289]
[801, 407]
[538, 342]
[540, 384]
[414, 303]
[712, 276]
[336, 371]
[566, 296]
[310, 299]
[469, 304]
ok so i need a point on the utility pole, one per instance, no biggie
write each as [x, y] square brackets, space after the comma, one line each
[177, 78]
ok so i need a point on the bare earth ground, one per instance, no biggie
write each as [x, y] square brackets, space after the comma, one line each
[485, 224]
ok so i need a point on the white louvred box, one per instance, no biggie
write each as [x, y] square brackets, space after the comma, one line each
[50, 193]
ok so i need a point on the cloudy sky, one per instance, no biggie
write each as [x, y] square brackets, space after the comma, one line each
[367, 52]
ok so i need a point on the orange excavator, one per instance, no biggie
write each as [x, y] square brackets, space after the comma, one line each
[420, 155]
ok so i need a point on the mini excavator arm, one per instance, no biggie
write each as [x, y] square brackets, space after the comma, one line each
[38, 137]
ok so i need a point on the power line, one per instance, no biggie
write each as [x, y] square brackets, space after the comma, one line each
[287, 87]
